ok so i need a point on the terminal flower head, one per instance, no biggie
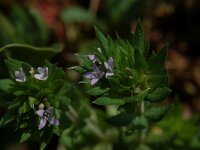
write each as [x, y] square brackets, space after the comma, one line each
[109, 66]
[20, 76]
[95, 75]
[42, 73]
[46, 116]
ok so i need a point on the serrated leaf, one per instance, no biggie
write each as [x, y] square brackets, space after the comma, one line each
[25, 136]
[140, 62]
[6, 85]
[156, 63]
[102, 39]
[156, 113]
[158, 94]
[120, 119]
[108, 101]
[138, 39]
[97, 91]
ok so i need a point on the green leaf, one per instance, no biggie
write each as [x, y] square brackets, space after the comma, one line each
[78, 14]
[64, 102]
[84, 61]
[6, 85]
[158, 80]
[108, 101]
[140, 62]
[79, 69]
[65, 139]
[156, 62]
[46, 137]
[120, 119]
[32, 101]
[158, 94]
[138, 39]
[139, 123]
[8, 118]
[139, 97]
[24, 108]
[102, 39]
[25, 136]
[116, 85]
[156, 113]
[24, 52]
[97, 91]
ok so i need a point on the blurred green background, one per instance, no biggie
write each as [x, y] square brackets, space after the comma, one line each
[67, 26]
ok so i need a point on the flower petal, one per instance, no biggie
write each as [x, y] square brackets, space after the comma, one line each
[106, 65]
[89, 75]
[38, 76]
[42, 124]
[109, 74]
[111, 63]
[94, 81]
[92, 58]
[43, 73]
[95, 68]
[40, 112]
[52, 120]
[20, 75]
[50, 110]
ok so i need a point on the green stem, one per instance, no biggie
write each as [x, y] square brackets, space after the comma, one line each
[143, 132]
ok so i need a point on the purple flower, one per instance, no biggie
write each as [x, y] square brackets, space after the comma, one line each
[20, 75]
[95, 75]
[92, 58]
[109, 66]
[46, 116]
[43, 73]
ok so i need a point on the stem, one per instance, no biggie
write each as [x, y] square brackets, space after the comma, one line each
[143, 132]
[142, 109]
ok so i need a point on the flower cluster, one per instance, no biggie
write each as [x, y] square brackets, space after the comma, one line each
[42, 74]
[97, 74]
[45, 115]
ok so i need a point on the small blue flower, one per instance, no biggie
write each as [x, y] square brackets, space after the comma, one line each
[20, 76]
[46, 116]
[95, 75]
[109, 66]
[43, 73]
